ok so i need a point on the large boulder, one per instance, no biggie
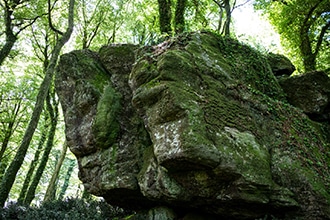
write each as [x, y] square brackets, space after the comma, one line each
[199, 124]
[311, 93]
[281, 66]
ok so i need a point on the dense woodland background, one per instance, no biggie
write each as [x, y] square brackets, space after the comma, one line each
[35, 164]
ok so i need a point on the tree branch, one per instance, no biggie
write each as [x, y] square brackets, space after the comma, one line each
[240, 5]
[324, 29]
[38, 45]
[232, 9]
[50, 18]
[221, 4]
[29, 24]
[92, 35]
[307, 22]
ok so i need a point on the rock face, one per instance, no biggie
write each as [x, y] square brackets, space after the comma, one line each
[311, 93]
[197, 124]
[280, 65]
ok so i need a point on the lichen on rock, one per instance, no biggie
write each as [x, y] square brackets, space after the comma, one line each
[198, 123]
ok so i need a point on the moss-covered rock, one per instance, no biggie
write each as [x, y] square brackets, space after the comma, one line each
[102, 128]
[280, 65]
[198, 124]
[311, 93]
[220, 126]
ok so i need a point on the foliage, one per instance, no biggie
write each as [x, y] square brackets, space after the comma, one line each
[17, 15]
[20, 79]
[194, 15]
[304, 27]
[67, 178]
[16, 100]
[11, 172]
[92, 17]
[67, 209]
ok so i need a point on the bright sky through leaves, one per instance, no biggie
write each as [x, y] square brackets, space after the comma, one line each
[252, 28]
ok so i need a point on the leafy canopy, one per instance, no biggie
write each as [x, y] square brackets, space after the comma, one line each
[304, 26]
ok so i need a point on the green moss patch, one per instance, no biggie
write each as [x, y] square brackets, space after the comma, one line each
[106, 126]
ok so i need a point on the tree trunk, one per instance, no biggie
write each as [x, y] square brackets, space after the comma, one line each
[9, 177]
[50, 192]
[67, 179]
[228, 18]
[33, 164]
[10, 129]
[308, 57]
[220, 20]
[10, 36]
[309, 62]
[306, 50]
[179, 16]
[224, 27]
[5, 50]
[3, 166]
[8, 133]
[53, 112]
[164, 7]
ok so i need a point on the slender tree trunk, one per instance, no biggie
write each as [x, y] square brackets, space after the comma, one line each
[53, 112]
[3, 166]
[179, 22]
[220, 20]
[33, 164]
[67, 179]
[224, 27]
[165, 15]
[50, 192]
[228, 18]
[10, 129]
[8, 133]
[114, 32]
[9, 177]
[85, 25]
[5, 50]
